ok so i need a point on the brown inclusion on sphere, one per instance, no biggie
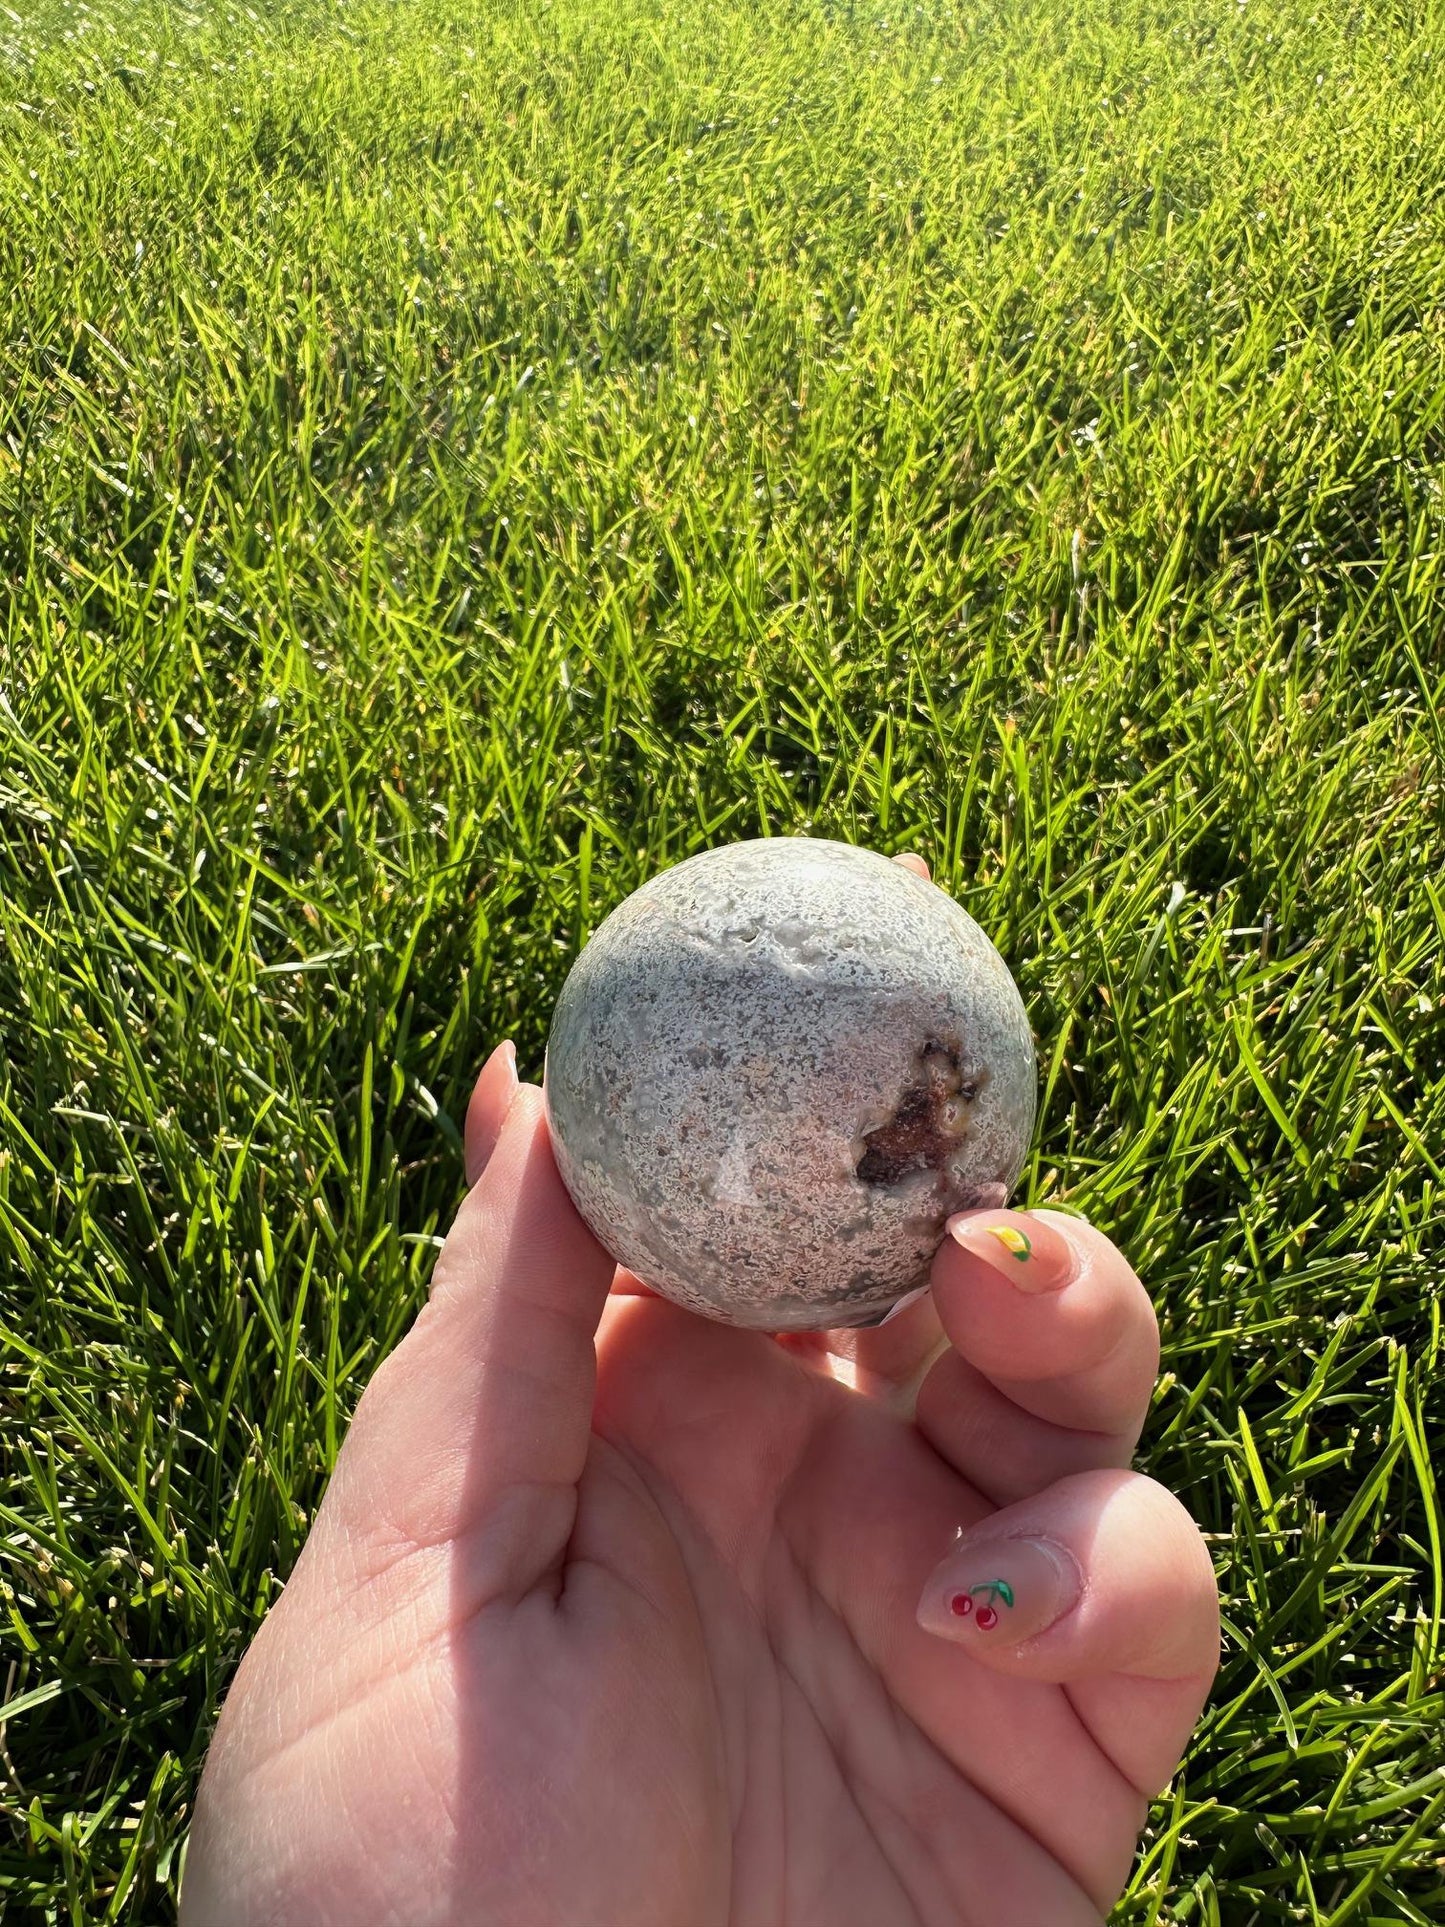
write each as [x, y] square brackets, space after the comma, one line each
[930, 1122]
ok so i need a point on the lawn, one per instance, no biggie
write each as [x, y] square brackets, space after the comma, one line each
[457, 458]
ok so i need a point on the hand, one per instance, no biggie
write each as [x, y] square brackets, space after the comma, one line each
[611, 1616]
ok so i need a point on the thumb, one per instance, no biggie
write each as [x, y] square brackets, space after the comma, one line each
[479, 1422]
[1100, 1582]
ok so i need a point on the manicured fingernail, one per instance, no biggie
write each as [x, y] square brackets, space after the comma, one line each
[1029, 1253]
[1000, 1590]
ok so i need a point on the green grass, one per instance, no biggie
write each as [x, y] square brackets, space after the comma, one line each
[457, 458]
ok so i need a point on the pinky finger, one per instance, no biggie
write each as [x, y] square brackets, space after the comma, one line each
[487, 1110]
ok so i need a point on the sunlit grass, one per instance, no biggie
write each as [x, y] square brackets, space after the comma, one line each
[456, 460]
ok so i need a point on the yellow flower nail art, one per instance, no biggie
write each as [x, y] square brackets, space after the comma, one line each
[1012, 1240]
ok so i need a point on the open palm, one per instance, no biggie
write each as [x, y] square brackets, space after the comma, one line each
[612, 1615]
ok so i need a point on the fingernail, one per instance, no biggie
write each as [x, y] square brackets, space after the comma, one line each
[1026, 1251]
[908, 1298]
[1000, 1590]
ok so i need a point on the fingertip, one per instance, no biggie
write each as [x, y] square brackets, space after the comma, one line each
[520, 1198]
[1004, 1589]
[1027, 1251]
[1052, 1313]
[487, 1109]
[1103, 1572]
[1102, 1583]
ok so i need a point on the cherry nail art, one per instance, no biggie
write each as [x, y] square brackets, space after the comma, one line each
[985, 1616]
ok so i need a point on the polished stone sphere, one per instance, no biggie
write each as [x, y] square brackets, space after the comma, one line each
[775, 1070]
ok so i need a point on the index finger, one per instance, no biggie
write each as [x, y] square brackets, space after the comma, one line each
[1052, 1351]
[1049, 1313]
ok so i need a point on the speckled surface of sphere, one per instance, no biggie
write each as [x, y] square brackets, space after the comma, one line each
[773, 1072]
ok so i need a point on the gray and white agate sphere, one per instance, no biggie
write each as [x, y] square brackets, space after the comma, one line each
[775, 1070]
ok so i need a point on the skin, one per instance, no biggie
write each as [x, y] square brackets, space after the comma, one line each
[613, 1614]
